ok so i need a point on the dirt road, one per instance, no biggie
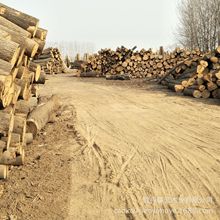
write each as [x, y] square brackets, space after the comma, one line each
[149, 155]
[136, 153]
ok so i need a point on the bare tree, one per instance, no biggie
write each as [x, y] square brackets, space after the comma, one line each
[199, 24]
[71, 49]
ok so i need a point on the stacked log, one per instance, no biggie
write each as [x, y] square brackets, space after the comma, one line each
[197, 77]
[50, 61]
[20, 41]
[136, 64]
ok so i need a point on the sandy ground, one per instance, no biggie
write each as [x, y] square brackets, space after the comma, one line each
[120, 151]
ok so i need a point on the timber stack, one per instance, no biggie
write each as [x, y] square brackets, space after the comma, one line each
[51, 61]
[21, 39]
[196, 77]
[137, 64]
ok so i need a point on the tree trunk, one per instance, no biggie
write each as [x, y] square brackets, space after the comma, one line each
[40, 116]
[9, 51]
[31, 46]
[23, 20]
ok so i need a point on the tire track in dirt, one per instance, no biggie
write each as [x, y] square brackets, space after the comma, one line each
[139, 145]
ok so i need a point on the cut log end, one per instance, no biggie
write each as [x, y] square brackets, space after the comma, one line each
[3, 172]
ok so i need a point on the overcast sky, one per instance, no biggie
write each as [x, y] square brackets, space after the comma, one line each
[106, 23]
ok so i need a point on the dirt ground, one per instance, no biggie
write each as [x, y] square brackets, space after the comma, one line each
[119, 150]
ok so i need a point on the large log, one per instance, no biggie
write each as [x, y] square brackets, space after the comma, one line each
[6, 67]
[9, 51]
[192, 92]
[41, 34]
[5, 35]
[36, 68]
[40, 116]
[42, 78]
[25, 107]
[41, 44]
[31, 46]
[11, 26]
[23, 20]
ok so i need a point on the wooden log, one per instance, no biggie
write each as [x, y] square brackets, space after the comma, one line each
[41, 44]
[36, 68]
[3, 145]
[20, 58]
[35, 90]
[25, 107]
[20, 125]
[16, 94]
[216, 93]
[117, 77]
[41, 34]
[211, 86]
[30, 45]
[39, 117]
[23, 71]
[192, 92]
[29, 138]
[13, 27]
[5, 90]
[15, 140]
[88, 74]
[205, 94]
[23, 20]
[7, 125]
[3, 172]
[12, 157]
[214, 59]
[9, 51]
[218, 50]
[24, 88]
[42, 78]
[5, 35]
[5, 67]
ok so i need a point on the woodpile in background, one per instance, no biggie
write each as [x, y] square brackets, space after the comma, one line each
[21, 39]
[50, 61]
[136, 64]
[197, 77]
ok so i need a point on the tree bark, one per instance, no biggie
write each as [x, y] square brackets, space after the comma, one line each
[23, 20]
[9, 51]
[40, 116]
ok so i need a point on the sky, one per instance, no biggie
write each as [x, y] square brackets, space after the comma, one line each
[105, 23]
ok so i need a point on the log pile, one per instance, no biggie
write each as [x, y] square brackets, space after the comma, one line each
[197, 77]
[136, 64]
[21, 39]
[50, 61]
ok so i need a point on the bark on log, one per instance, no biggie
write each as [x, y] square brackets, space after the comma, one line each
[192, 92]
[20, 126]
[29, 138]
[41, 34]
[5, 35]
[30, 45]
[25, 107]
[9, 51]
[11, 26]
[42, 78]
[36, 68]
[6, 67]
[41, 44]
[15, 140]
[39, 117]
[23, 20]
